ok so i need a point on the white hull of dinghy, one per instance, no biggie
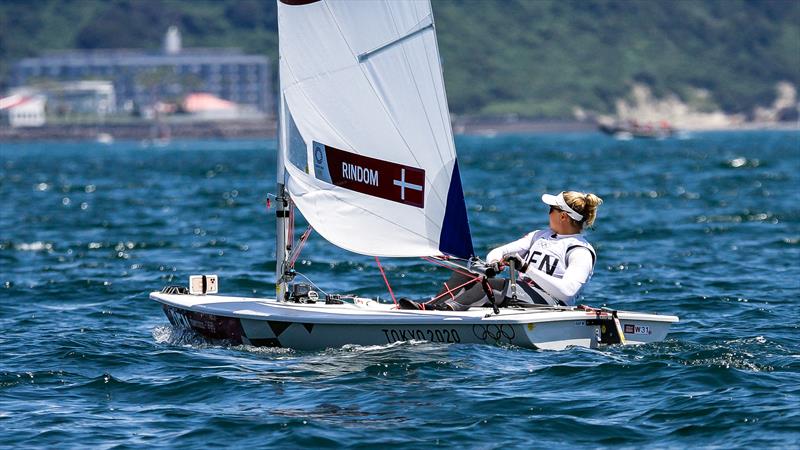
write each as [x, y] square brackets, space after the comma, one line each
[305, 326]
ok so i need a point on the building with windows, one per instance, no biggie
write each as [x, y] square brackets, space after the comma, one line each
[80, 98]
[142, 79]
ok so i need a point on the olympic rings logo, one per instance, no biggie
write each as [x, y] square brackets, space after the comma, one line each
[497, 333]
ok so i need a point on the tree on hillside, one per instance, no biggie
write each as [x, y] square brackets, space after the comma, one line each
[128, 24]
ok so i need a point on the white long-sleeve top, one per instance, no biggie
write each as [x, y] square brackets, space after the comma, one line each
[559, 264]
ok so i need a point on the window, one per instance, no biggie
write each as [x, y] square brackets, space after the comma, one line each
[297, 149]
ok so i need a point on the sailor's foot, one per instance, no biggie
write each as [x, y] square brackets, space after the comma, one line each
[405, 303]
[439, 307]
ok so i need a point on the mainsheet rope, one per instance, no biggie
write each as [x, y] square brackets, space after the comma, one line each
[448, 291]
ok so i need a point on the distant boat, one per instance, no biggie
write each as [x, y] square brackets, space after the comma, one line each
[155, 143]
[160, 135]
[633, 129]
[105, 138]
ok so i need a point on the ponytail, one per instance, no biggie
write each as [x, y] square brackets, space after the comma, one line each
[585, 205]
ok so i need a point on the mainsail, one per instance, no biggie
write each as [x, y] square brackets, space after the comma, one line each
[367, 149]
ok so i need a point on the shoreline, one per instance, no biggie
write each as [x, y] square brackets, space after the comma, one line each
[266, 129]
[145, 130]
[489, 127]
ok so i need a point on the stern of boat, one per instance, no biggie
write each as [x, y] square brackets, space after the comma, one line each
[593, 330]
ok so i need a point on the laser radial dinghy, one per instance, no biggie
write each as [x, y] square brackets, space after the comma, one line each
[366, 154]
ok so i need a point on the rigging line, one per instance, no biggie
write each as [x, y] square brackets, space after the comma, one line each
[311, 282]
[386, 280]
[291, 226]
[450, 291]
[416, 86]
[431, 260]
[446, 259]
[385, 109]
[303, 239]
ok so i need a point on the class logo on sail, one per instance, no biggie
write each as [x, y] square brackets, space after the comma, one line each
[370, 176]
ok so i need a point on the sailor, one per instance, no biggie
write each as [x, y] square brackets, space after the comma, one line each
[554, 264]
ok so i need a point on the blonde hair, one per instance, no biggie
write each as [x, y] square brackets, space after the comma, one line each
[585, 205]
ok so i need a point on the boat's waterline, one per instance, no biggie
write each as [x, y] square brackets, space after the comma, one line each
[307, 326]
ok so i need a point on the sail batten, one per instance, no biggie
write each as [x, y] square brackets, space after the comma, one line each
[366, 55]
[378, 166]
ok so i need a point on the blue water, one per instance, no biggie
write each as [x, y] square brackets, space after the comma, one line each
[706, 228]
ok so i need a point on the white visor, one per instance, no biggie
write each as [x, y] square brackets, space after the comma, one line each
[559, 202]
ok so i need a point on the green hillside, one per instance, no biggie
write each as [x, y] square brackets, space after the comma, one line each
[534, 58]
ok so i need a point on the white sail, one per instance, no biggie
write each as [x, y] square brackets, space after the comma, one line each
[367, 144]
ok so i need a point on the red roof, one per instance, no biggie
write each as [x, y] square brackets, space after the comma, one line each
[200, 101]
[13, 100]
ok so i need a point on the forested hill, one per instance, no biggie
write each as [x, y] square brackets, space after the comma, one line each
[535, 58]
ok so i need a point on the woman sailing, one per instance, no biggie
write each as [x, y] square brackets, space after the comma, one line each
[554, 264]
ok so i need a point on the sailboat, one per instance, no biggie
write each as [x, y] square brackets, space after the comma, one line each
[366, 155]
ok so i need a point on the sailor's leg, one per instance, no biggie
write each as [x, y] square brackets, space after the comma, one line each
[475, 295]
[454, 287]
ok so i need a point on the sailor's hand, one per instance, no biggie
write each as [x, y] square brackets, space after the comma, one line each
[492, 269]
[498, 264]
[514, 259]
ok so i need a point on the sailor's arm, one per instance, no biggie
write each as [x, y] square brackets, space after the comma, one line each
[519, 247]
[577, 274]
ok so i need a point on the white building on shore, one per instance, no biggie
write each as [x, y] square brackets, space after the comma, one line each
[18, 110]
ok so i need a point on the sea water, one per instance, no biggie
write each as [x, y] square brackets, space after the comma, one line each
[706, 227]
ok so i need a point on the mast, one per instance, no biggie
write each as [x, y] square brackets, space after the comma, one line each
[282, 208]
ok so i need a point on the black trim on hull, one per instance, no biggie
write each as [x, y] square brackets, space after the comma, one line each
[278, 327]
[207, 325]
[221, 328]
